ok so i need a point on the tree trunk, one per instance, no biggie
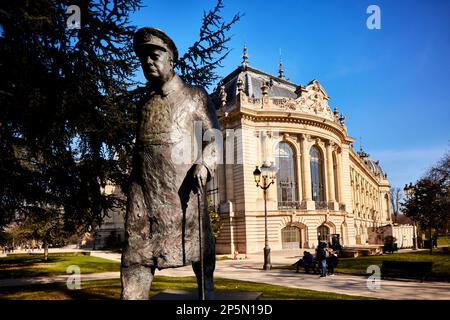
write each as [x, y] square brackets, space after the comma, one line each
[45, 250]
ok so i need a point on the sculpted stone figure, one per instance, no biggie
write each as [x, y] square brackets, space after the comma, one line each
[166, 195]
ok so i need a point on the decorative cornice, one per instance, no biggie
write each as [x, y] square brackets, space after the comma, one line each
[291, 119]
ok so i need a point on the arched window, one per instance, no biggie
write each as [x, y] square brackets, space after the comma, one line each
[317, 183]
[290, 237]
[323, 233]
[286, 184]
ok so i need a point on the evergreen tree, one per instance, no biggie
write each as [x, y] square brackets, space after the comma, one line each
[62, 125]
[67, 116]
[429, 201]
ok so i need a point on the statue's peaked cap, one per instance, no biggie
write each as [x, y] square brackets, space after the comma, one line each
[149, 36]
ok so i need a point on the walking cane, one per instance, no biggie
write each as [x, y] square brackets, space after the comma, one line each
[200, 231]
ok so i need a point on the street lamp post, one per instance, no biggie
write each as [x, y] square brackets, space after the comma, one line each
[409, 191]
[266, 173]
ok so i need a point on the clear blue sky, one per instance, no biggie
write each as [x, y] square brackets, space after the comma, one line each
[392, 84]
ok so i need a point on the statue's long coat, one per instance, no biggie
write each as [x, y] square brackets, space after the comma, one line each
[161, 227]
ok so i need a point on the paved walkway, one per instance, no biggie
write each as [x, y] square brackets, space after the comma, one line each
[250, 269]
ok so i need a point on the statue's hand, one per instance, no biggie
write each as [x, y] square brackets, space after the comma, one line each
[199, 175]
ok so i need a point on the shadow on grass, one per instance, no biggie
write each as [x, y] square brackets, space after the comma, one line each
[21, 266]
[31, 265]
[92, 290]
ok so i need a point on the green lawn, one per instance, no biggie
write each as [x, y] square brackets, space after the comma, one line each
[110, 289]
[358, 266]
[443, 241]
[440, 259]
[33, 265]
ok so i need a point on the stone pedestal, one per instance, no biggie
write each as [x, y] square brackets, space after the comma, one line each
[309, 205]
[333, 206]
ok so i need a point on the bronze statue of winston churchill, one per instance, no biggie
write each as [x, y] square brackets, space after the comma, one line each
[167, 198]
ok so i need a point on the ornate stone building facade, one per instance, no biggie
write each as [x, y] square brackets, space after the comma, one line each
[323, 188]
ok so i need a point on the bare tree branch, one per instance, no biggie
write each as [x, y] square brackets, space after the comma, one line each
[396, 196]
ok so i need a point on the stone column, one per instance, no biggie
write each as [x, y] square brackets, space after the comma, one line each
[307, 195]
[269, 157]
[299, 178]
[264, 143]
[229, 165]
[340, 176]
[337, 181]
[330, 172]
[306, 187]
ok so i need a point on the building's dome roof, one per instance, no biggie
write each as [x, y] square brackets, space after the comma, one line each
[374, 167]
[252, 81]
[276, 94]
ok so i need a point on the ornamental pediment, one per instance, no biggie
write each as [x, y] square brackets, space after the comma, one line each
[311, 99]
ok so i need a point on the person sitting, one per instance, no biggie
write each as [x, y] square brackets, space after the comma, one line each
[307, 262]
[298, 264]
